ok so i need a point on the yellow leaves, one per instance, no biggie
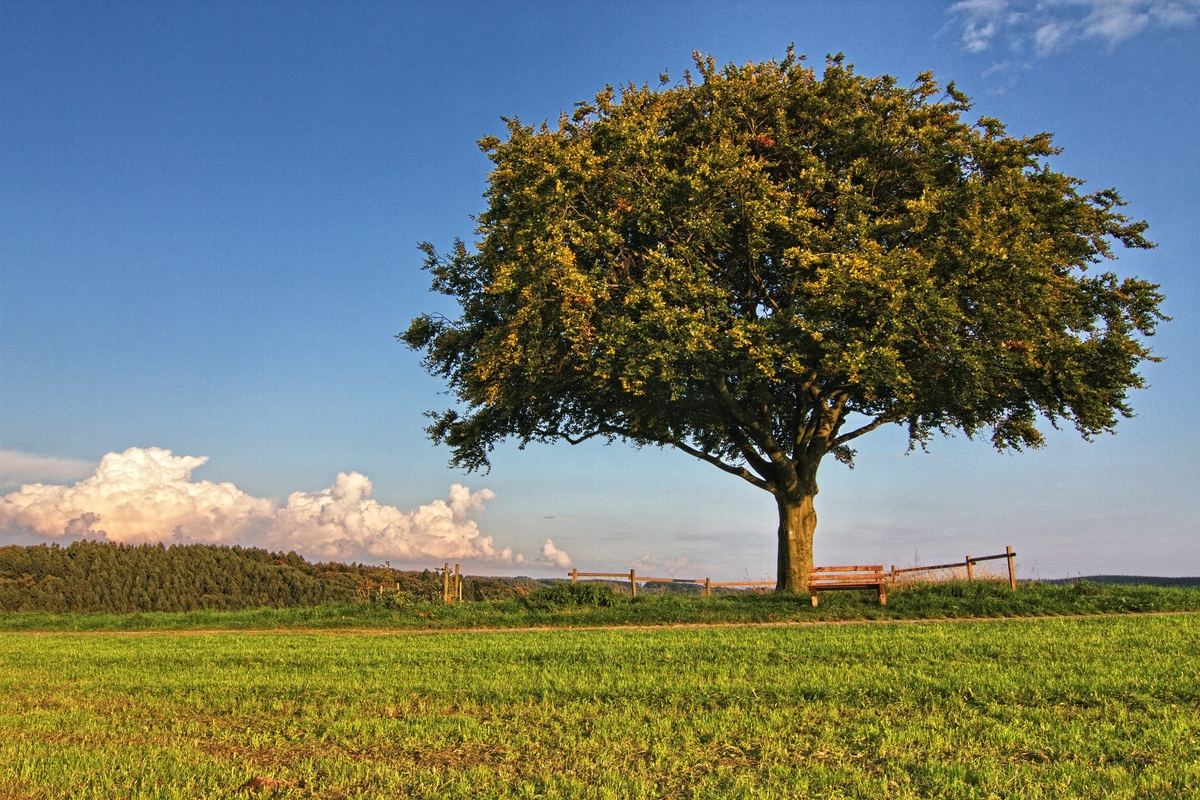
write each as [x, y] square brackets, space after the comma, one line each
[773, 227]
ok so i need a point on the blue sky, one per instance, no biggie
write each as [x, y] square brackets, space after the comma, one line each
[208, 219]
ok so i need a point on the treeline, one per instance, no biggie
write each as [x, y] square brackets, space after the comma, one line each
[103, 577]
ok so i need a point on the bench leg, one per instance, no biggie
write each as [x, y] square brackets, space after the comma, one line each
[814, 599]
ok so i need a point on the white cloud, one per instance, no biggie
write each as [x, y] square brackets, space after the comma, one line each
[17, 468]
[551, 557]
[554, 556]
[982, 19]
[148, 495]
[1050, 36]
[646, 565]
[1051, 25]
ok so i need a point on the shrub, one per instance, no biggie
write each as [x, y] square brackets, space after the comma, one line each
[573, 595]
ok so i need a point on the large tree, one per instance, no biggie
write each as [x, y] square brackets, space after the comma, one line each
[760, 265]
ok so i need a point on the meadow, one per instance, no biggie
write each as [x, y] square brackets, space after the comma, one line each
[1062, 707]
[595, 605]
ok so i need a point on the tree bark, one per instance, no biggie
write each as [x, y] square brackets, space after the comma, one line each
[797, 523]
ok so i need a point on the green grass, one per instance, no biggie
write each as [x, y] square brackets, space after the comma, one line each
[1090, 707]
[929, 601]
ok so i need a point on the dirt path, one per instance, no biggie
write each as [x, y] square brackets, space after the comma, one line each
[586, 628]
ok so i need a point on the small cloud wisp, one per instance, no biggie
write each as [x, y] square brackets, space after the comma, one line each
[1052, 25]
[17, 468]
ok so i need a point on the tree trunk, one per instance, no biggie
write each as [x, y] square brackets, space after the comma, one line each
[797, 523]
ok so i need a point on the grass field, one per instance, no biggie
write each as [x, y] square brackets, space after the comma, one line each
[1088, 707]
[911, 601]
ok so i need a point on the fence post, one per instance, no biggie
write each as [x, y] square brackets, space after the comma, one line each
[446, 583]
[575, 575]
[633, 582]
[970, 569]
[457, 585]
[708, 587]
[1012, 575]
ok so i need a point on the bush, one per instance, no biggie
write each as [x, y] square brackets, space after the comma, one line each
[395, 599]
[573, 595]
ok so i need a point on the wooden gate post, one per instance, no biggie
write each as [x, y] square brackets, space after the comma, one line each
[575, 575]
[708, 587]
[633, 582]
[457, 585]
[970, 569]
[446, 583]
[1012, 574]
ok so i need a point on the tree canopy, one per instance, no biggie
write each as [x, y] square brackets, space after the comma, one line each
[761, 264]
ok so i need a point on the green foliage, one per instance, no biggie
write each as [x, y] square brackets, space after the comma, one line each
[761, 266]
[394, 599]
[91, 576]
[732, 262]
[391, 610]
[1136, 580]
[119, 579]
[572, 595]
[1086, 708]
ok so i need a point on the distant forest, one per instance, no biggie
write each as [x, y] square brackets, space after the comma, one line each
[103, 577]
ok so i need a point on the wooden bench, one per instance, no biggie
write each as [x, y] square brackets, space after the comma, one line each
[826, 579]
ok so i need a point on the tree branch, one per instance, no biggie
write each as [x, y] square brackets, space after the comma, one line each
[566, 437]
[759, 464]
[883, 419]
[741, 472]
[613, 430]
[762, 438]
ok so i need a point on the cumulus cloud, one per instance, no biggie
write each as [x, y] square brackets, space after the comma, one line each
[554, 556]
[551, 557]
[148, 495]
[1050, 25]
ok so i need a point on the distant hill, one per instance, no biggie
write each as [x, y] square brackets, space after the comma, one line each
[1135, 580]
[99, 576]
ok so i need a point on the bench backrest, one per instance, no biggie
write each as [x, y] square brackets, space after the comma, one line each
[873, 572]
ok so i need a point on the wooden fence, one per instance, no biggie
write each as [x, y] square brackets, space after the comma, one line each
[452, 589]
[708, 583]
[969, 562]
[451, 584]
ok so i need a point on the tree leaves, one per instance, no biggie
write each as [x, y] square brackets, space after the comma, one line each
[738, 265]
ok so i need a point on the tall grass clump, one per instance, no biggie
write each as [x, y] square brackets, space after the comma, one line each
[563, 595]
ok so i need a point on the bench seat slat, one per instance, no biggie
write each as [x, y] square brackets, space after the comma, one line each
[847, 577]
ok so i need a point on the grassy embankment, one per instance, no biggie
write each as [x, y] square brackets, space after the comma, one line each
[1095, 708]
[546, 608]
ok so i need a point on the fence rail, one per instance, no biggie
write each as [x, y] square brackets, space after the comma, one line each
[632, 577]
[452, 586]
[709, 584]
[969, 562]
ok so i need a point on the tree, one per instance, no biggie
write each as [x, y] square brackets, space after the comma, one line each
[762, 265]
